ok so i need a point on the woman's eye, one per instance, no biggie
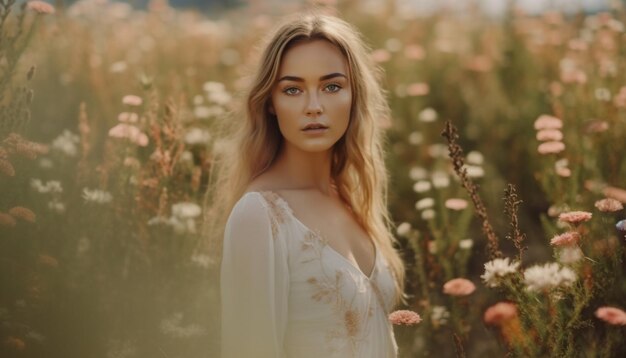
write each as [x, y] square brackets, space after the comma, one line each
[291, 91]
[333, 87]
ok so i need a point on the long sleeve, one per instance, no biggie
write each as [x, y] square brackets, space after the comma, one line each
[254, 283]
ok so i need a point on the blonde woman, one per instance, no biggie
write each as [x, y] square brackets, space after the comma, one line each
[308, 265]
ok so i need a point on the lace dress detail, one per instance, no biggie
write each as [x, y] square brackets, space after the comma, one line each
[287, 293]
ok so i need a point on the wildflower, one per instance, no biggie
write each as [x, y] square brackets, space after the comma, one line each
[474, 171]
[403, 229]
[615, 193]
[428, 214]
[66, 143]
[118, 67]
[56, 206]
[51, 186]
[575, 217]
[128, 117]
[416, 138]
[380, 55]
[418, 173]
[548, 276]
[549, 135]
[466, 244]
[20, 212]
[459, 287]
[570, 254]
[563, 172]
[439, 315]
[475, 157]
[597, 126]
[221, 98]
[552, 147]
[172, 326]
[496, 269]
[186, 210]
[499, 313]
[425, 203]
[202, 112]
[97, 196]
[427, 115]
[418, 89]
[621, 225]
[612, 315]
[440, 179]
[213, 86]
[7, 220]
[404, 317]
[414, 52]
[456, 204]
[196, 136]
[132, 100]
[608, 205]
[546, 121]
[40, 7]
[421, 186]
[6, 168]
[565, 239]
[130, 132]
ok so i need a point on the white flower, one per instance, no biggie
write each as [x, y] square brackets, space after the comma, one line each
[197, 136]
[475, 157]
[428, 214]
[427, 115]
[418, 173]
[421, 186]
[186, 210]
[466, 244]
[570, 254]
[212, 86]
[221, 98]
[187, 156]
[56, 206]
[182, 226]
[118, 67]
[439, 315]
[474, 171]
[97, 196]
[158, 220]
[51, 186]
[66, 143]
[547, 277]
[497, 268]
[440, 179]
[416, 138]
[202, 112]
[403, 229]
[603, 94]
[425, 203]
[45, 163]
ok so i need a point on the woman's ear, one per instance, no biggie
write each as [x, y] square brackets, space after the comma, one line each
[270, 108]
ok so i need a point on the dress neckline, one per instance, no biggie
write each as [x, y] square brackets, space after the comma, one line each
[321, 237]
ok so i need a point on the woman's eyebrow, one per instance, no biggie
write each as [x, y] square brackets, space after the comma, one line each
[323, 78]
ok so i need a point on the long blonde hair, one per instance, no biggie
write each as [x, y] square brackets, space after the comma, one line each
[357, 168]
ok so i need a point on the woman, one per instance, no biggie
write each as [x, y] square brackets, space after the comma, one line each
[308, 267]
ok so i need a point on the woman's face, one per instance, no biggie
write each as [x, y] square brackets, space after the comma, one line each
[312, 88]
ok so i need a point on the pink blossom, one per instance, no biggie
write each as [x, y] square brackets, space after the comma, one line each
[40, 7]
[414, 52]
[456, 204]
[546, 121]
[575, 217]
[500, 313]
[615, 193]
[131, 132]
[564, 239]
[418, 89]
[550, 147]
[380, 55]
[549, 135]
[404, 317]
[612, 315]
[128, 117]
[458, 287]
[597, 126]
[563, 172]
[132, 100]
[609, 205]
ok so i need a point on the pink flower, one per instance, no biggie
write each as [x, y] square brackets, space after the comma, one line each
[414, 52]
[40, 7]
[564, 239]
[500, 313]
[563, 172]
[133, 133]
[380, 55]
[404, 317]
[575, 217]
[549, 135]
[615, 193]
[608, 205]
[546, 121]
[418, 89]
[550, 147]
[132, 100]
[456, 204]
[458, 287]
[128, 117]
[612, 315]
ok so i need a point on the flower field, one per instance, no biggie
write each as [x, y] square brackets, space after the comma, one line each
[505, 152]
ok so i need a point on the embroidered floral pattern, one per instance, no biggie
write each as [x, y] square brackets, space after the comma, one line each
[277, 212]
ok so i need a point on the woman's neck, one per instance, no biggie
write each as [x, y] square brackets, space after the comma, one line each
[305, 170]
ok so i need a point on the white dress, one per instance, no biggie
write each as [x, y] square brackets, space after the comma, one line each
[286, 293]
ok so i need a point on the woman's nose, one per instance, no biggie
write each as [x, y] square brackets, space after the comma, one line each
[314, 106]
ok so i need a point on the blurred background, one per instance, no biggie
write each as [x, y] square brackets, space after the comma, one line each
[107, 128]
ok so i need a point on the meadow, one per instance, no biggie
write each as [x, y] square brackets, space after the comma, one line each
[505, 153]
